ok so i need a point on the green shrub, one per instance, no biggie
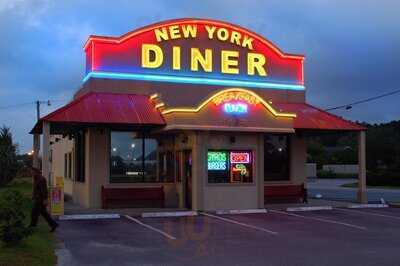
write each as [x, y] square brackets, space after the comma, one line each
[12, 217]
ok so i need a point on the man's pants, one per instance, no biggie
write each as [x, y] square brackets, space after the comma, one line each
[40, 209]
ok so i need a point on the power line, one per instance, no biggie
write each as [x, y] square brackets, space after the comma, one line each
[26, 103]
[350, 105]
[15, 105]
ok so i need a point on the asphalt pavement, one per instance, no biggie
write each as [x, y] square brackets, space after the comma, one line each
[331, 189]
[331, 237]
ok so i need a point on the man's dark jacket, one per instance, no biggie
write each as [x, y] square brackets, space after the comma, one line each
[40, 192]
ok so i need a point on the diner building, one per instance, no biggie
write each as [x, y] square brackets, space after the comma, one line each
[187, 113]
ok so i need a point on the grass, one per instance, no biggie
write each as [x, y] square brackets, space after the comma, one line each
[38, 249]
[355, 184]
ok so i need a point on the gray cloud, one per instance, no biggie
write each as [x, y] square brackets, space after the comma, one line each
[352, 48]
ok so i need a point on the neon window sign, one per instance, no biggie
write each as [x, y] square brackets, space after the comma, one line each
[235, 108]
[217, 160]
[240, 157]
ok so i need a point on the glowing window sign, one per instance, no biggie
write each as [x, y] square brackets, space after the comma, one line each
[240, 157]
[235, 108]
[217, 160]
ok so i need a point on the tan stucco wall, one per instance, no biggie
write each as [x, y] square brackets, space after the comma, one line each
[204, 196]
[231, 196]
[59, 149]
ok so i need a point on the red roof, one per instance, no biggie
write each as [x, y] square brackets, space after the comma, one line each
[106, 108]
[310, 117]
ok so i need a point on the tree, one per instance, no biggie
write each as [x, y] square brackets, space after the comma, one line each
[8, 156]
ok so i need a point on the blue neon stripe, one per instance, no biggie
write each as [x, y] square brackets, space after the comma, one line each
[193, 80]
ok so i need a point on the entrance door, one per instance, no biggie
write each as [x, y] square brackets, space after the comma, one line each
[187, 176]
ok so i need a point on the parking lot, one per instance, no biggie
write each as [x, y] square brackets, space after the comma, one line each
[329, 237]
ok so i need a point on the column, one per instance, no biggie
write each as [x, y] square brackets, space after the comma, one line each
[362, 186]
[46, 153]
[36, 149]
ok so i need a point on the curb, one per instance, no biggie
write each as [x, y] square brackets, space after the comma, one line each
[311, 208]
[169, 214]
[362, 206]
[246, 211]
[89, 216]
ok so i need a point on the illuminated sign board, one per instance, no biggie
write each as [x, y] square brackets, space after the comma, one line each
[235, 108]
[197, 51]
[217, 160]
[240, 157]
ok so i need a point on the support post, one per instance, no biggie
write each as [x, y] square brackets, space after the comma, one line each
[36, 140]
[46, 153]
[362, 184]
[36, 150]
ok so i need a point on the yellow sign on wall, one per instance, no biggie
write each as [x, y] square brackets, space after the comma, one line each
[57, 197]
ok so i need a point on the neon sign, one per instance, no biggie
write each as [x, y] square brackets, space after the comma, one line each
[240, 157]
[197, 51]
[217, 160]
[235, 108]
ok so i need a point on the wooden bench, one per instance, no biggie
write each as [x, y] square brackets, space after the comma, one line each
[124, 195]
[285, 192]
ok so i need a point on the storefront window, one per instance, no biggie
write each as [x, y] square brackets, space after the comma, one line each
[133, 158]
[229, 166]
[276, 157]
[80, 147]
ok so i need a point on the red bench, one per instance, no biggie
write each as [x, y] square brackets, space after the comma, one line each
[127, 195]
[285, 192]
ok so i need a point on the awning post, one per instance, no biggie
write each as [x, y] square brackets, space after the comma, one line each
[36, 149]
[362, 184]
[46, 152]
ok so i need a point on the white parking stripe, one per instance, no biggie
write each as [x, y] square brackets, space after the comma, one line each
[239, 223]
[369, 213]
[150, 227]
[321, 220]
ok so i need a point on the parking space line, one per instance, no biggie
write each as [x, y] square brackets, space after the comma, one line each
[150, 227]
[240, 223]
[321, 220]
[369, 213]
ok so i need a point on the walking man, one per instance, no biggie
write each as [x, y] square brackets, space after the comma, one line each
[40, 195]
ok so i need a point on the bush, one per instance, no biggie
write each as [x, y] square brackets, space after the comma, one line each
[12, 217]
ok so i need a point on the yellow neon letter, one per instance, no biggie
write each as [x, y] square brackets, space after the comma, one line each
[155, 50]
[210, 30]
[256, 61]
[161, 34]
[189, 30]
[197, 57]
[235, 37]
[174, 32]
[176, 58]
[222, 34]
[247, 41]
[229, 62]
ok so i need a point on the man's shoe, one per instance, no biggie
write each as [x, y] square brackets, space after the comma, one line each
[53, 228]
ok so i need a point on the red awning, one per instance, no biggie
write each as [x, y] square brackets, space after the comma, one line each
[105, 108]
[310, 117]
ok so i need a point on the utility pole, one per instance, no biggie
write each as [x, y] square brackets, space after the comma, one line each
[36, 137]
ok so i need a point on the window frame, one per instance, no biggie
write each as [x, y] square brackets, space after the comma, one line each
[80, 156]
[252, 154]
[289, 159]
[143, 136]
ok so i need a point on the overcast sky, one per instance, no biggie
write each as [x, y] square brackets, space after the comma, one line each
[352, 48]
